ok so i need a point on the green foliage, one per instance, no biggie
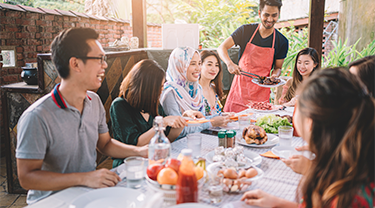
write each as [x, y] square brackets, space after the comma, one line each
[19, 2]
[217, 18]
[76, 5]
[342, 54]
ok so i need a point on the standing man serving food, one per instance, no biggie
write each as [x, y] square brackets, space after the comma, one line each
[58, 135]
[262, 47]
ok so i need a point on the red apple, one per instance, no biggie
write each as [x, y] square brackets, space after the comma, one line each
[153, 170]
[174, 164]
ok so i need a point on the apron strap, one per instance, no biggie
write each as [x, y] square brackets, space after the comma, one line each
[256, 30]
[274, 35]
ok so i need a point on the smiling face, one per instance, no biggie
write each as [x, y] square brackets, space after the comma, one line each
[269, 16]
[93, 70]
[305, 65]
[210, 68]
[194, 69]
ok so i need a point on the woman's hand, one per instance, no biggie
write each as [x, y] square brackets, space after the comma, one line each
[193, 114]
[174, 121]
[259, 198]
[303, 148]
[298, 163]
[220, 121]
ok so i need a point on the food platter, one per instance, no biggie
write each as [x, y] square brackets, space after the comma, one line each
[253, 159]
[196, 122]
[272, 141]
[288, 151]
[282, 82]
[264, 111]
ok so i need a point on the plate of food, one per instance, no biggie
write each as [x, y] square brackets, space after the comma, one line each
[270, 82]
[263, 107]
[195, 122]
[255, 136]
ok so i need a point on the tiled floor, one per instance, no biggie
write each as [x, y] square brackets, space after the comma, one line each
[19, 200]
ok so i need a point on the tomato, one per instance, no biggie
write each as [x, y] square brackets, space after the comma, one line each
[153, 170]
[173, 163]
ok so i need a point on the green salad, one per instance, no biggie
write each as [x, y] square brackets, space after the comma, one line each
[270, 123]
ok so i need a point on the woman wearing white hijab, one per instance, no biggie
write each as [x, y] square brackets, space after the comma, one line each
[182, 94]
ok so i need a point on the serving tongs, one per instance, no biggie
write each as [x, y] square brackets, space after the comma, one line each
[253, 76]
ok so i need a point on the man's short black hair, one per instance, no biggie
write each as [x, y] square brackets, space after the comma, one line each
[262, 3]
[70, 43]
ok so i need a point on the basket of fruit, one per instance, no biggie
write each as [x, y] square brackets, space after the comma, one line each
[236, 180]
[163, 178]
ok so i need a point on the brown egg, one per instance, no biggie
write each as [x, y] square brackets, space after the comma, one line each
[227, 182]
[251, 173]
[237, 182]
[230, 173]
[221, 171]
[242, 173]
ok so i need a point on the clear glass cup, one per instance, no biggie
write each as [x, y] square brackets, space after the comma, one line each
[253, 118]
[244, 121]
[285, 136]
[194, 142]
[215, 188]
[135, 171]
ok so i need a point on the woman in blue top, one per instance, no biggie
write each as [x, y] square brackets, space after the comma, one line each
[182, 94]
[211, 82]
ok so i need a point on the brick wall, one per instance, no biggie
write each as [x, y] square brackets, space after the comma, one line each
[31, 30]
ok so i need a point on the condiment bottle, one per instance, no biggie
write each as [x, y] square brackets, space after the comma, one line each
[186, 187]
[159, 148]
[221, 135]
[230, 138]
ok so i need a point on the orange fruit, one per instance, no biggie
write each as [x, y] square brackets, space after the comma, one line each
[167, 176]
[198, 172]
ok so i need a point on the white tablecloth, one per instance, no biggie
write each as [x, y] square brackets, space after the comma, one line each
[279, 180]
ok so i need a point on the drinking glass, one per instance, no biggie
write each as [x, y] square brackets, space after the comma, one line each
[244, 121]
[215, 188]
[134, 171]
[285, 135]
[194, 142]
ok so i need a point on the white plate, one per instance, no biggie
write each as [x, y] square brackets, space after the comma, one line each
[192, 205]
[286, 152]
[289, 109]
[253, 158]
[282, 82]
[272, 141]
[114, 197]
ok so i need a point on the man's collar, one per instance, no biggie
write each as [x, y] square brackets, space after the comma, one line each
[58, 99]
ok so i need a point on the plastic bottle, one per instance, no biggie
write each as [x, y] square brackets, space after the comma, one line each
[186, 187]
[159, 148]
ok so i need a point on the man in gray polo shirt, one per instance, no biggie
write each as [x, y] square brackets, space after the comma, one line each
[58, 135]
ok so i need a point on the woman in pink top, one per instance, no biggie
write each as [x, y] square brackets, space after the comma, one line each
[307, 61]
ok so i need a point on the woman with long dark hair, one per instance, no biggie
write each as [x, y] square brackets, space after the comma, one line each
[211, 82]
[133, 112]
[335, 115]
[364, 69]
[307, 61]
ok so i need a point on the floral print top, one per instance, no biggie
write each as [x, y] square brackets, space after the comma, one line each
[212, 110]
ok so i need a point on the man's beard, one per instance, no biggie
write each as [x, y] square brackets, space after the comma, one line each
[268, 27]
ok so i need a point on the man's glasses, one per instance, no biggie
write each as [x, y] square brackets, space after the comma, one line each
[102, 58]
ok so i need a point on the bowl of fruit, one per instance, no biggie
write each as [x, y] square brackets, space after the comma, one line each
[164, 177]
[235, 180]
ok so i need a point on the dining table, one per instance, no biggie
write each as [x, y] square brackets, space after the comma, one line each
[278, 179]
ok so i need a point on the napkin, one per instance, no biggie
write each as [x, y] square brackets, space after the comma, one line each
[269, 154]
